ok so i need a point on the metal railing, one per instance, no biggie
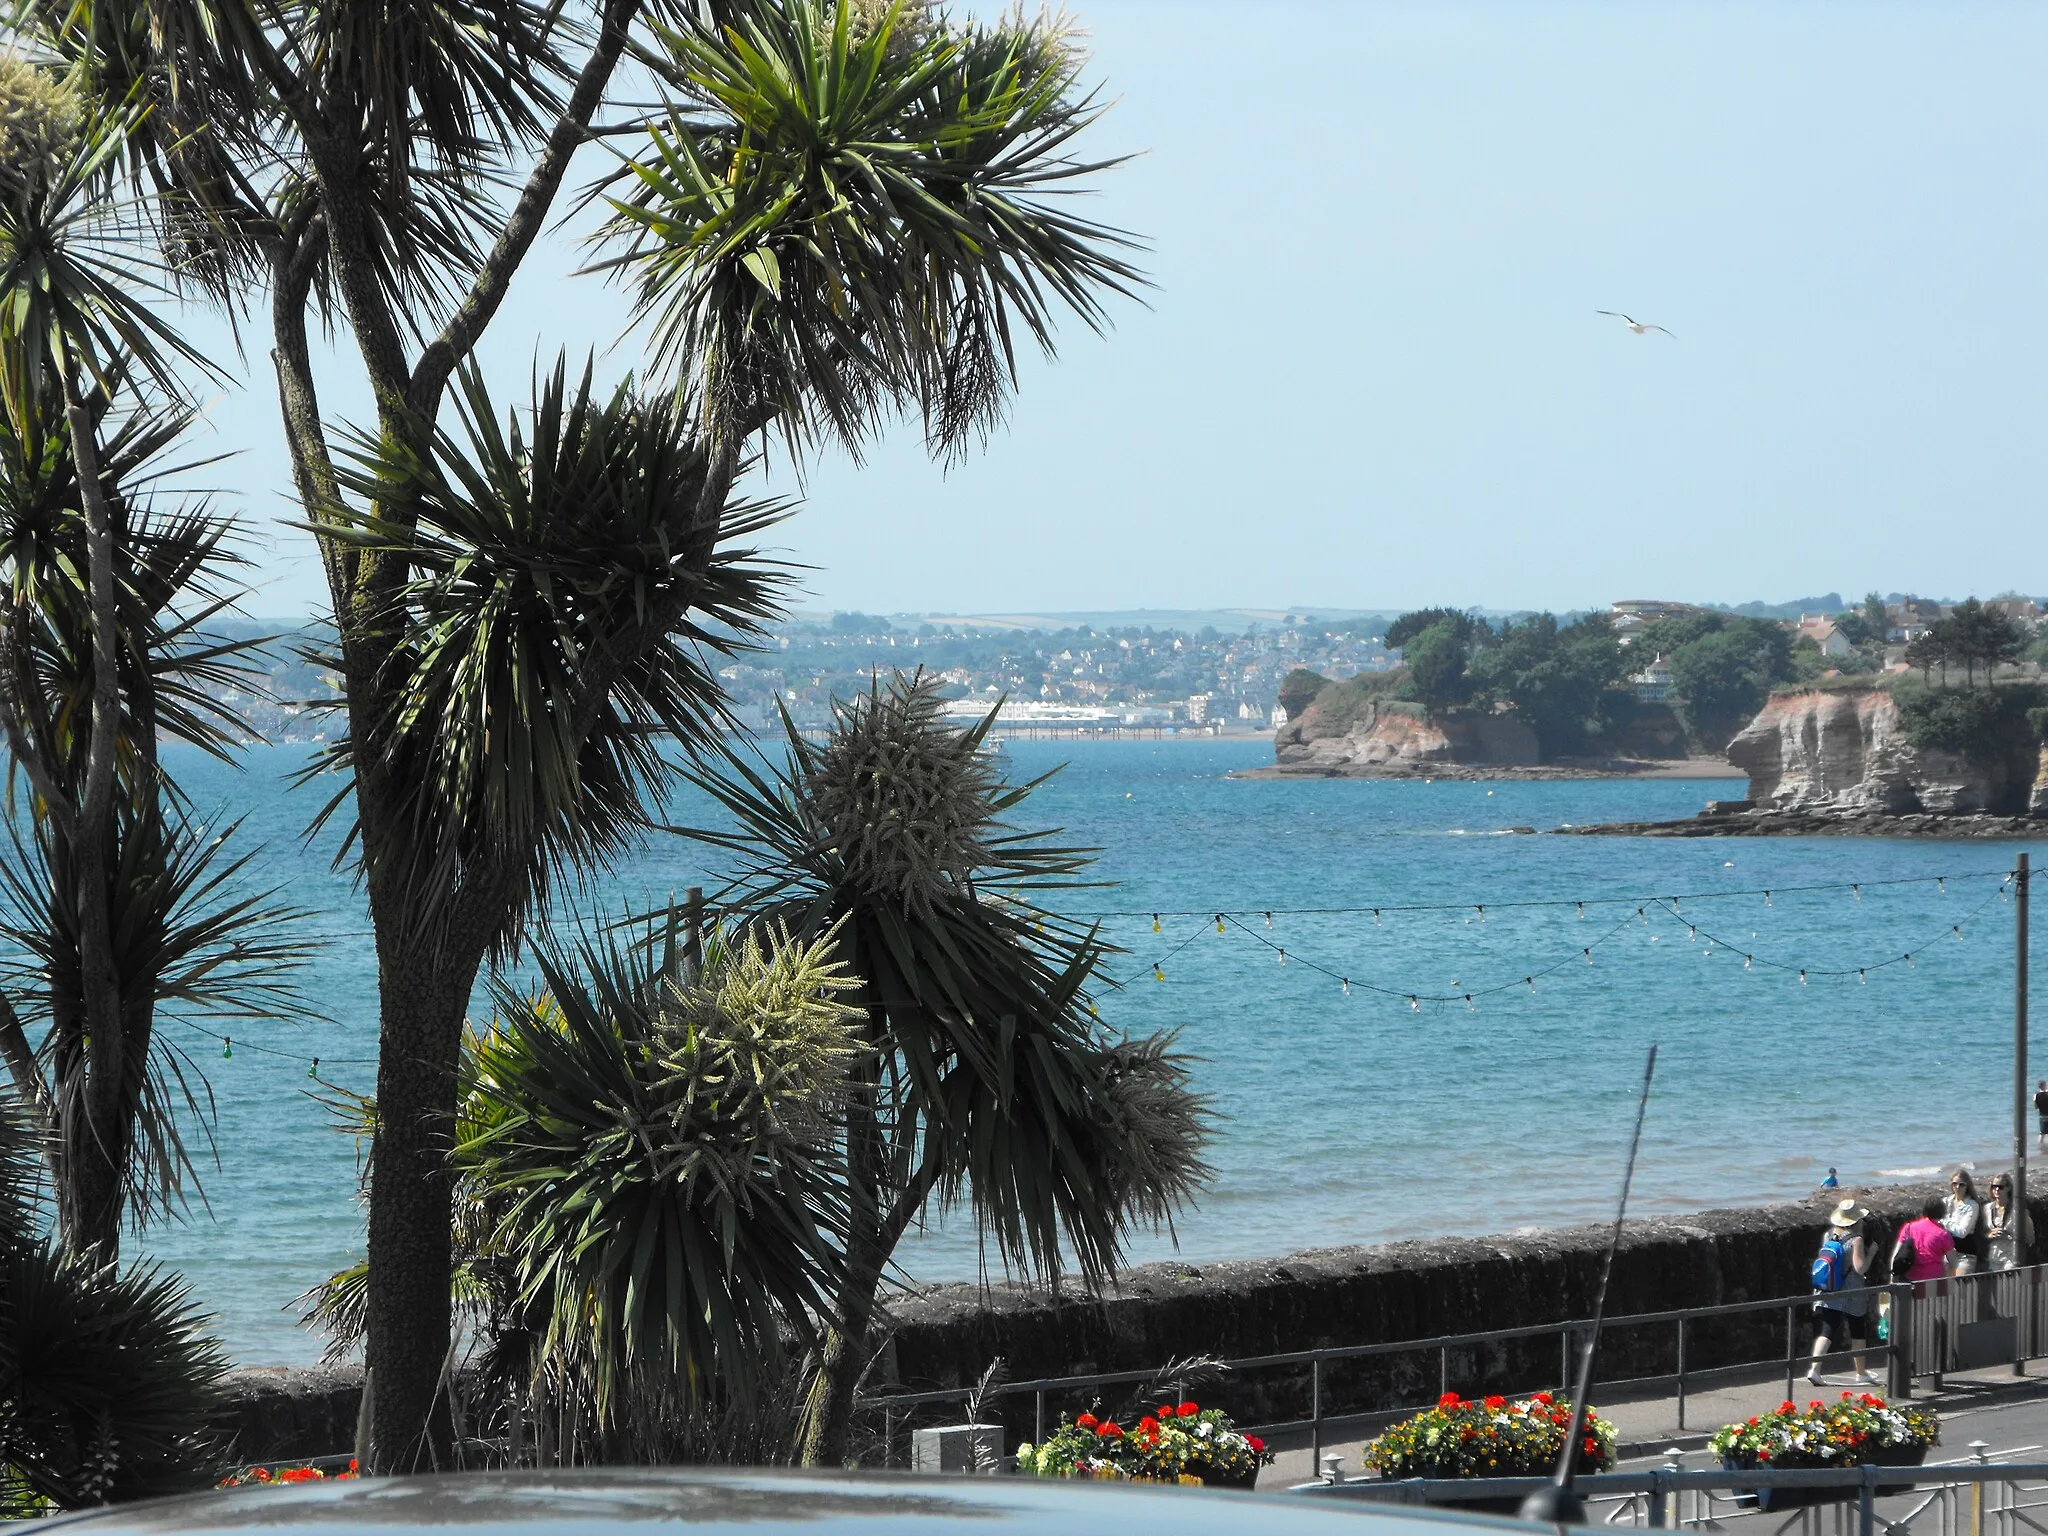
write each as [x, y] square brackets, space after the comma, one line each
[1976, 1497]
[1933, 1327]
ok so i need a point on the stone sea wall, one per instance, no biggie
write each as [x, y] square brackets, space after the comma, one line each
[947, 1336]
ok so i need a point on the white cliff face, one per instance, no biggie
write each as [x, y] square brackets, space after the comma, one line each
[1848, 752]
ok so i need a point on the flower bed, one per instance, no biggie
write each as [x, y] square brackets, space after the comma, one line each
[1856, 1429]
[1490, 1437]
[302, 1472]
[1179, 1443]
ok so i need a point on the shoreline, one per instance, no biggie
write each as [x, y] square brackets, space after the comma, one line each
[1615, 768]
[1795, 823]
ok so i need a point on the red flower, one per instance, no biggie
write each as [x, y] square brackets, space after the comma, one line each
[1111, 1431]
[1448, 1400]
[352, 1464]
[1148, 1427]
[1787, 1406]
[1086, 1421]
[1258, 1446]
[1188, 1410]
[1496, 1403]
[298, 1475]
[1543, 1398]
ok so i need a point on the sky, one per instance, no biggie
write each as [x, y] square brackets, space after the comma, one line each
[1370, 375]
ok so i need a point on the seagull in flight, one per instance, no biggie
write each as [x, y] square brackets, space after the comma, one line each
[1641, 328]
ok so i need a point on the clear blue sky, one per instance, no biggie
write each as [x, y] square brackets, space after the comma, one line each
[1371, 374]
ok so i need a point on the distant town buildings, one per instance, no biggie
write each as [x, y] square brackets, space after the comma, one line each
[1632, 615]
[1653, 683]
[1824, 632]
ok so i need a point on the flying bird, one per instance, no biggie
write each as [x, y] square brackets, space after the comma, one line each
[1641, 328]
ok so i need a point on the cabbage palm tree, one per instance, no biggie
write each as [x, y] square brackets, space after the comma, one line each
[836, 210]
[649, 1198]
[113, 903]
[983, 1077]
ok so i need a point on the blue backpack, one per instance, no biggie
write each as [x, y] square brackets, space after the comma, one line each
[1831, 1266]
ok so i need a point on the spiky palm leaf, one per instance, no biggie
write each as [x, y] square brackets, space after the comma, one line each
[108, 1380]
[999, 1089]
[188, 934]
[75, 281]
[567, 586]
[662, 1154]
[174, 559]
[192, 937]
[852, 207]
[437, 92]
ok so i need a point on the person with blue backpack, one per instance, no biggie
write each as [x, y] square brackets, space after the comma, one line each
[1841, 1296]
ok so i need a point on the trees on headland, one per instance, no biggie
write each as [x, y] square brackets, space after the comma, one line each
[1970, 635]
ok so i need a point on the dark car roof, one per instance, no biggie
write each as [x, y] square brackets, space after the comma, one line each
[608, 1502]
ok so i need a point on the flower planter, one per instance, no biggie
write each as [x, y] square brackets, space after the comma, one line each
[1486, 1439]
[1246, 1481]
[1768, 1499]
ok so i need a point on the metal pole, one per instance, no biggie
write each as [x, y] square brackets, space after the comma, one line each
[1790, 1363]
[1315, 1414]
[2019, 1075]
[1681, 1374]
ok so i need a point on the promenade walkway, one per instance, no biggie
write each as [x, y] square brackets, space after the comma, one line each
[1994, 1406]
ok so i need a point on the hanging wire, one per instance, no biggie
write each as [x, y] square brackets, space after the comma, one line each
[1751, 958]
[1372, 910]
[228, 1047]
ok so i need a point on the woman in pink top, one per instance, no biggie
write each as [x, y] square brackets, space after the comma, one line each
[1931, 1242]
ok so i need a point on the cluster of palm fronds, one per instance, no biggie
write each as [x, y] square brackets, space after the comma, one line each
[851, 207]
[108, 1381]
[669, 1174]
[649, 1191]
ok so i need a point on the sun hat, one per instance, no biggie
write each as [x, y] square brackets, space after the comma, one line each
[1847, 1214]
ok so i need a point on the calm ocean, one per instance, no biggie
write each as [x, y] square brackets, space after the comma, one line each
[1344, 1118]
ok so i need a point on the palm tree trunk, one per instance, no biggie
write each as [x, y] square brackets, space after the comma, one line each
[422, 998]
[828, 1421]
[97, 1158]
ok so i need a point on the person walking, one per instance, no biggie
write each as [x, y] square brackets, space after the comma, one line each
[1924, 1244]
[1960, 1215]
[1841, 1302]
[2041, 1109]
[2005, 1233]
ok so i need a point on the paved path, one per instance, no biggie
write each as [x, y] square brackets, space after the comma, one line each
[2009, 1414]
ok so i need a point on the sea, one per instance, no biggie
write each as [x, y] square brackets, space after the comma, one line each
[1414, 1021]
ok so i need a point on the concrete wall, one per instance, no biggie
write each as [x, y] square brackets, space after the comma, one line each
[946, 1336]
[1339, 1296]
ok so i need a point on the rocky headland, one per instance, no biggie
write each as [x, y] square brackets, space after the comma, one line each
[1846, 762]
[1342, 736]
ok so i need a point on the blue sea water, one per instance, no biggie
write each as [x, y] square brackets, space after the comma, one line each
[1341, 1118]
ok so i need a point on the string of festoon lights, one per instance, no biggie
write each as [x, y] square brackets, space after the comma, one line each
[1257, 924]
